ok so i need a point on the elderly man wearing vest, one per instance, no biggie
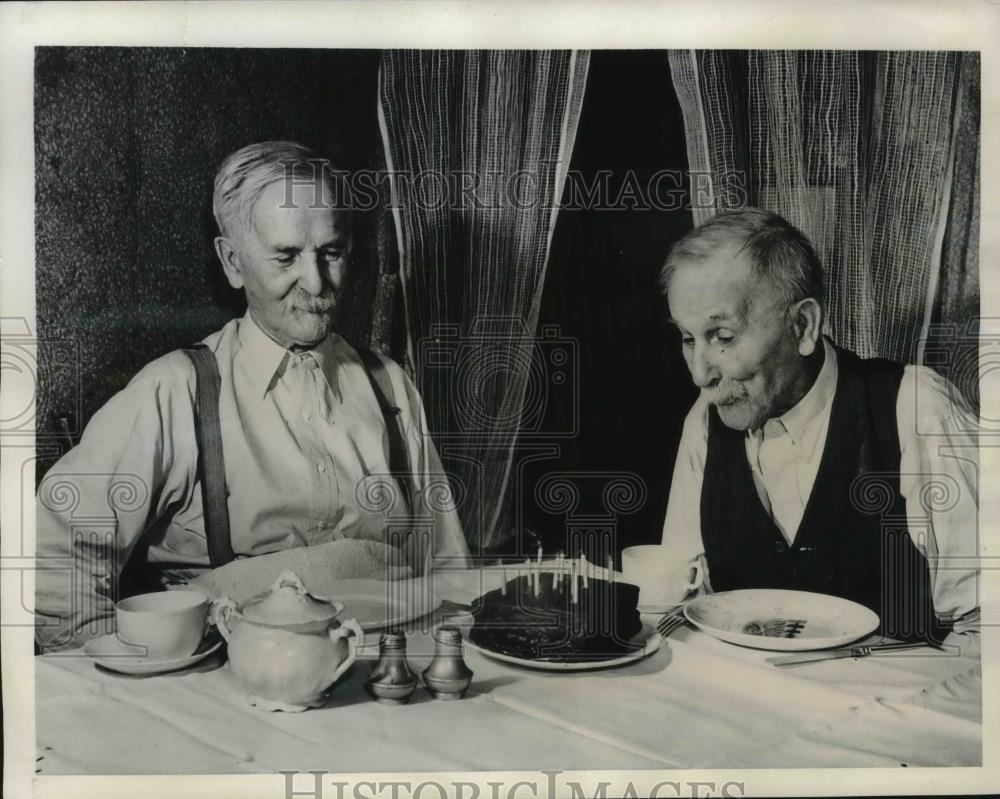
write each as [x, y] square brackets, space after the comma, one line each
[792, 436]
[304, 420]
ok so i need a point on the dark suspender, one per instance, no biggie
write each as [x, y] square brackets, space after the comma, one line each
[399, 465]
[212, 464]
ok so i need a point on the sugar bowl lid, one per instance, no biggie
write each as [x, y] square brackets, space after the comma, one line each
[287, 603]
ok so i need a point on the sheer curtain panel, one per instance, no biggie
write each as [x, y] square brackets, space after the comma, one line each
[477, 146]
[859, 150]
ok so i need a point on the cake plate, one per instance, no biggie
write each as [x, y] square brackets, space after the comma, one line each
[647, 639]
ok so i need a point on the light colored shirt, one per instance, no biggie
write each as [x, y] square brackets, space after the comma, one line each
[306, 455]
[939, 475]
[785, 452]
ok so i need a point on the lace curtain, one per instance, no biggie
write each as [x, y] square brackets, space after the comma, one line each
[477, 146]
[874, 155]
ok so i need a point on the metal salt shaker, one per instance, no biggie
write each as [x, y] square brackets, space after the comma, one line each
[391, 682]
[447, 677]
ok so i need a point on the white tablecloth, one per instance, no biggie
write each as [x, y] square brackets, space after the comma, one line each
[696, 703]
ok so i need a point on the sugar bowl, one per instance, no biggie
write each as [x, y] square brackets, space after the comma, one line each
[286, 646]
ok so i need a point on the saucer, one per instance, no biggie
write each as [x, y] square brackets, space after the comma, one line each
[110, 652]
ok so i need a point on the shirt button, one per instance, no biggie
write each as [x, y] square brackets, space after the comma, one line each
[320, 468]
[307, 416]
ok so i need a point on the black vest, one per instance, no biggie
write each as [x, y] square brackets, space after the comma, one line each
[852, 541]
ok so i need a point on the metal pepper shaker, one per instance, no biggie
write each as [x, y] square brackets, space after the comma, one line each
[391, 682]
[447, 677]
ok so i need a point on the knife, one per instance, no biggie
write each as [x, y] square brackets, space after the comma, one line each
[843, 652]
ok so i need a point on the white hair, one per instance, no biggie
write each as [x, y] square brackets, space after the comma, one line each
[245, 174]
[776, 250]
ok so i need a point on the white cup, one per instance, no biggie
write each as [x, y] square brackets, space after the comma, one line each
[166, 624]
[663, 578]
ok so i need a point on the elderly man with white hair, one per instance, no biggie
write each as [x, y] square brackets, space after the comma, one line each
[793, 437]
[304, 420]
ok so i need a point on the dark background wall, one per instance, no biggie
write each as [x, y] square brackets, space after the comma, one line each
[127, 145]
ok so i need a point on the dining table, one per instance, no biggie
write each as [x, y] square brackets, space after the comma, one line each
[695, 702]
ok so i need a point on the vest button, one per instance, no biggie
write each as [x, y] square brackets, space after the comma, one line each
[779, 547]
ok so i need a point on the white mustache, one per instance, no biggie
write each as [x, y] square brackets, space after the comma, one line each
[310, 304]
[727, 393]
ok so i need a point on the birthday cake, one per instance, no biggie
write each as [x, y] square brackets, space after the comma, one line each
[548, 625]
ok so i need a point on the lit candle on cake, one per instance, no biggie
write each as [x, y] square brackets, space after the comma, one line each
[574, 591]
[611, 569]
[503, 578]
[584, 569]
[557, 571]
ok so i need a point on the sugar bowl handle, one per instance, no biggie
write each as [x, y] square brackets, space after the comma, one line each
[351, 630]
[222, 613]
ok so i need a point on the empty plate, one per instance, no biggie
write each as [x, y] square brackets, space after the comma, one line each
[376, 604]
[782, 621]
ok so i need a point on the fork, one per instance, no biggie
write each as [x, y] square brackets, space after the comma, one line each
[775, 628]
[670, 623]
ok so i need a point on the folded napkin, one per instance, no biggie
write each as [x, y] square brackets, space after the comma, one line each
[319, 567]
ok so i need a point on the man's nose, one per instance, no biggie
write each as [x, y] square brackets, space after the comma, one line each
[703, 371]
[311, 277]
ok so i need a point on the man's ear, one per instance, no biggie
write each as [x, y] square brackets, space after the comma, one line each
[807, 319]
[230, 261]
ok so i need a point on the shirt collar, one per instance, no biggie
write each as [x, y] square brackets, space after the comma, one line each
[264, 358]
[817, 400]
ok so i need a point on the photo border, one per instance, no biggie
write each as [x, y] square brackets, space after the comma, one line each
[764, 25]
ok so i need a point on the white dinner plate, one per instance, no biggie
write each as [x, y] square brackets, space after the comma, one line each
[647, 636]
[110, 652]
[376, 604]
[781, 621]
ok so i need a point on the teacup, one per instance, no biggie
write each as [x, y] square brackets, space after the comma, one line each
[663, 577]
[166, 624]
